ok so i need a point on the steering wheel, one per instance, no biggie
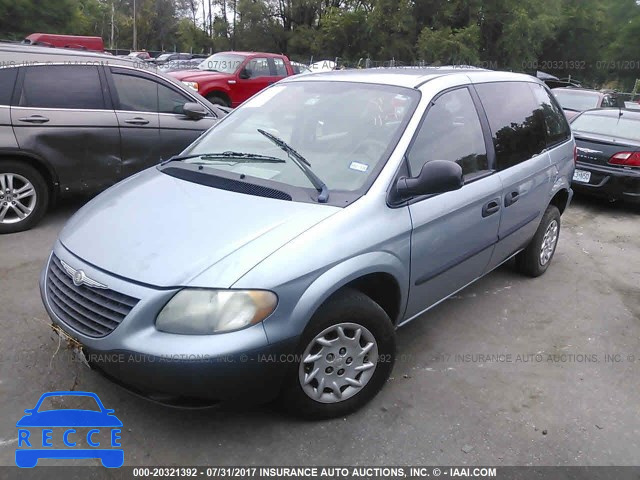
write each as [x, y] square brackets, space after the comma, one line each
[371, 148]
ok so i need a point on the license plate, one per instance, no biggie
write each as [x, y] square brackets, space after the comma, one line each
[582, 176]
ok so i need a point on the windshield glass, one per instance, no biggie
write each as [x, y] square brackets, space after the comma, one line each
[164, 56]
[345, 131]
[576, 100]
[222, 62]
[626, 127]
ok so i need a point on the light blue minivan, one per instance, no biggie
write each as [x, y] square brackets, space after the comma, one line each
[278, 254]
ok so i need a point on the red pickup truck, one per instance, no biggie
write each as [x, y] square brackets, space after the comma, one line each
[230, 78]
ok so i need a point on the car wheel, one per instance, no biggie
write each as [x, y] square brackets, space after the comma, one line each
[344, 358]
[535, 259]
[24, 196]
[218, 100]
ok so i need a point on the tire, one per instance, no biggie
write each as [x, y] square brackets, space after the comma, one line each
[352, 311]
[19, 175]
[217, 100]
[532, 261]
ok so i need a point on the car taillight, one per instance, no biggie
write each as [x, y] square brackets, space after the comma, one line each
[627, 159]
[575, 154]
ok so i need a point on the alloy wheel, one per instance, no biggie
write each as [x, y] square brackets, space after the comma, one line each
[549, 243]
[18, 198]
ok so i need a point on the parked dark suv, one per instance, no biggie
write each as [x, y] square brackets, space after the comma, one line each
[78, 122]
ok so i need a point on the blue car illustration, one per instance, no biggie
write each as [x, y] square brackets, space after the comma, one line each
[33, 447]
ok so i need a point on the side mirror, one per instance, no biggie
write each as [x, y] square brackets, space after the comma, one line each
[245, 73]
[437, 176]
[194, 111]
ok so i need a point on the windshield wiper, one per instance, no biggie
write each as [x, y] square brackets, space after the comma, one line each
[302, 163]
[237, 156]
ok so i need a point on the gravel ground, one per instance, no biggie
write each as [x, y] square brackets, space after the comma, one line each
[511, 371]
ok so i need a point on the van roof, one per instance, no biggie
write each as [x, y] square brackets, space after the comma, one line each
[411, 77]
[14, 54]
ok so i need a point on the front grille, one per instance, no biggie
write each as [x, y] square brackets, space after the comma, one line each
[94, 312]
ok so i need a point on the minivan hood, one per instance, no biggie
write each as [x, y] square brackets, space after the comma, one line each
[163, 231]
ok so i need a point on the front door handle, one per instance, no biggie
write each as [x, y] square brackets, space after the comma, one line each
[34, 119]
[137, 121]
[490, 208]
[511, 198]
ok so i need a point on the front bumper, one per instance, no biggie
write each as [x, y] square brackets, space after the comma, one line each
[610, 182]
[170, 368]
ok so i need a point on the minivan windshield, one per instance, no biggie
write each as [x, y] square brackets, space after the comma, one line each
[343, 132]
[222, 62]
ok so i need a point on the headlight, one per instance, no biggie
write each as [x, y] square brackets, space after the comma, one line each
[192, 85]
[203, 312]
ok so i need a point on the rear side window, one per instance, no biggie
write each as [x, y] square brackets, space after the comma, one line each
[281, 70]
[516, 121]
[136, 94]
[609, 101]
[62, 86]
[556, 125]
[7, 81]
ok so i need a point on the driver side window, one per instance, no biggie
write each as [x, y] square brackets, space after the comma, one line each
[170, 101]
[259, 67]
[451, 130]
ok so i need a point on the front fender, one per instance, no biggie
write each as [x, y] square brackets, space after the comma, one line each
[296, 309]
[216, 87]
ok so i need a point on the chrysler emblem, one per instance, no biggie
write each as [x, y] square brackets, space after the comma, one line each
[587, 150]
[80, 278]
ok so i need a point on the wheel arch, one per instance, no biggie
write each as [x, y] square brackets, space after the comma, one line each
[379, 275]
[218, 92]
[41, 165]
[561, 199]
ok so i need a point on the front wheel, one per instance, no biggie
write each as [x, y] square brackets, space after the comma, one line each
[23, 196]
[345, 357]
[535, 259]
[218, 100]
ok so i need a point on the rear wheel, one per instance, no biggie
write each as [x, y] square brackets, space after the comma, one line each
[345, 357]
[536, 258]
[24, 196]
[218, 100]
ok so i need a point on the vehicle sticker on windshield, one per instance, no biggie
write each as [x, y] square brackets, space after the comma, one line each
[360, 167]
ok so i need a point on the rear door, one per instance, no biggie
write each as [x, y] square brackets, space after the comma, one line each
[7, 82]
[135, 98]
[279, 69]
[524, 166]
[453, 233]
[62, 114]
